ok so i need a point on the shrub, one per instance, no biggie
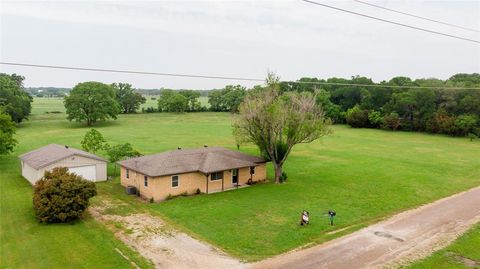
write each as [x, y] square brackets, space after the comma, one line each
[357, 117]
[283, 177]
[375, 118]
[441, 122]
[465, 124]
[151, 200]
[391, 122]
[198, 191]
[61, 196]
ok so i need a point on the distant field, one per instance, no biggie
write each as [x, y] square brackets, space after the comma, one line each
[363, 174]
[49, 104]
[464, 249]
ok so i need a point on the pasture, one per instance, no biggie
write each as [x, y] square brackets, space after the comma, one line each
[363, 174]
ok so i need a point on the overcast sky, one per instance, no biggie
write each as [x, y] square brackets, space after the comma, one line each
[232, 38]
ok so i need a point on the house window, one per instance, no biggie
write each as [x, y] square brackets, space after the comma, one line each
[216, 176]
[127, 173]
[145, 181]
[252, 170]
[175, 181]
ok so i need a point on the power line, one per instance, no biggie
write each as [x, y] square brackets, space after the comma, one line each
[392, 22]
[418, 17]
[227, 78]
[130, 72]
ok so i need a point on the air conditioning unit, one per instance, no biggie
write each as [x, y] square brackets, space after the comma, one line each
[131, 190]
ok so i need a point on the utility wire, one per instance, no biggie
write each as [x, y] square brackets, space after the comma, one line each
[227, 78]
[417, 16]
[392, 22]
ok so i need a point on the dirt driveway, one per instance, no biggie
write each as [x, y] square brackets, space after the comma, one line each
[164, 246]
[405, 237]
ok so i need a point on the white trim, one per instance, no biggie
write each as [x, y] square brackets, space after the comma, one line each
[178, 181]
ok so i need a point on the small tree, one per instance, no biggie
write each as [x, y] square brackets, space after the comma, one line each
[91, 102]
[171, 101]
[126, 96]
[7, 130]
[119, 152]
[93, 141]
[276, 122]
[61, 196]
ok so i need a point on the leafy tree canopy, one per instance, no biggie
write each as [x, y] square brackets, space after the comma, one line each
[14, 101]
[90, 102]
[126, 96]
[7, 131]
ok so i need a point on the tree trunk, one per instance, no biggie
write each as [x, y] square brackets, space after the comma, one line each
[278, 172]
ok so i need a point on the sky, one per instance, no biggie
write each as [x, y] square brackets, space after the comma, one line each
[294, 39]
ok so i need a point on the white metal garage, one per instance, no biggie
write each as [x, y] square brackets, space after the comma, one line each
[87, 172]
[85, 164]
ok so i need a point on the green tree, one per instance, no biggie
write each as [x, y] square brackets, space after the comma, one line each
[61, 196]
[227, 99]
[7, 131]
[331, 110]
[172, 101]
[193, 104]
[13, 99]
[128, 99]
[276, 122]
[93, 141]
[91, 102]
[119, 152]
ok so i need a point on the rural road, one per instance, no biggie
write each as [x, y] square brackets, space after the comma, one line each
[404, 237]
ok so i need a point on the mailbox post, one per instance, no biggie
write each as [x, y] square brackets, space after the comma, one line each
[332, 214]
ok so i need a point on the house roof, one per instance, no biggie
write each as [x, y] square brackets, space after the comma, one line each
[52, 153]
[205, 160]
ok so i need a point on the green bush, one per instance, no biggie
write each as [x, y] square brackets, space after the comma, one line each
[391, 122]
[465, 124]
[375, 118]
[357, 117]
[283, 177]
[61, 196]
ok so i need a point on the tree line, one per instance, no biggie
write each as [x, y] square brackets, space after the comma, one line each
[426, 105]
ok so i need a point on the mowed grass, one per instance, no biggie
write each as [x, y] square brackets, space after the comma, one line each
[461, 254]
[363, 174]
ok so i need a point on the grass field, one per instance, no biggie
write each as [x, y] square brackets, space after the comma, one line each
[363, 174]
[464, 249]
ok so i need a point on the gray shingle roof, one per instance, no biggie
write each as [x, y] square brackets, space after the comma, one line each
[52, 153]
[204, 160]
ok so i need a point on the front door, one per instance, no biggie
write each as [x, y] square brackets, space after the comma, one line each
[235, 176]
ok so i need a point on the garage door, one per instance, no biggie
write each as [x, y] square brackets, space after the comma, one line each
[87, 172]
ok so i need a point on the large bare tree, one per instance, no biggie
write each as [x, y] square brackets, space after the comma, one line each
[276, 122]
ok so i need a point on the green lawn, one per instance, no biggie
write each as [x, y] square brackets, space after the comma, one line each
[363, 174]
[452, 257]
[24, 243]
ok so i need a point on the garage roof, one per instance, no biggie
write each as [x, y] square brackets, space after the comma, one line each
[52, 153]
[205, 160]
